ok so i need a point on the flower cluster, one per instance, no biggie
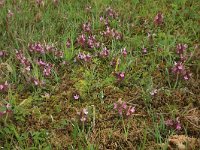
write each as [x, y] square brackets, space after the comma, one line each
[104, 53]
[4, 87]
[6, 109]
[83, 115]
[111, 33]
[23, 60]
[47, 48]
[86, 27]
[46, 67]
[111, 13]
[105, 21]
[92, 42]
[179, 68]
[158, 20]
[81, 40]
[84, 57]
[173, 123]
[123, 108]
[3, 53]
[180, 49]
[89, 41]
[119, 75]
[37, 47]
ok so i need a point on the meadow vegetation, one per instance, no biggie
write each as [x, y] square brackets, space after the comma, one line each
[99, 74]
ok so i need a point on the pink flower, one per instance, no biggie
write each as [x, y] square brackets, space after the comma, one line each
[130, 111]
[85, 111]
[46, 67]
[180, 48]
[158, 20]
[104, 53]
[3, 54]
[83, 114]
[23, 60]
[92, 43]
[187, 75]
[101, 19]
[4, 87]
[88, 57]
[37, 47]
[144, 50]
[178, 68]
[86, 27]
[76, 96]
[122, 108]
[81, 40]
[120, 75]
[124, 52]
[111, 13]
[154, 92]
[174, 124]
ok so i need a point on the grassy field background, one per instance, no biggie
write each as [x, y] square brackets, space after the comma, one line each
[86, 74]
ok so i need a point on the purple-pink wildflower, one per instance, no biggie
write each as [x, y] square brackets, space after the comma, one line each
[159, 19]
[81, 40]
[76, 96]
[124, 52]
[174, 123]
[154, 92]
[104, 53]
[144, 50]
[178, 68]
[111, 33]
[23, 60]
[2, 53]
[120, 75]
[37, 47]
[46, 67]
[83, 115]
[111, 13]
[4, 86]
[180, 48]
[92, 42]
[84, 57]
[86, 27]
[123, 108]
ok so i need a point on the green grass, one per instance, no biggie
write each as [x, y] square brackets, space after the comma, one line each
[45, 116]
